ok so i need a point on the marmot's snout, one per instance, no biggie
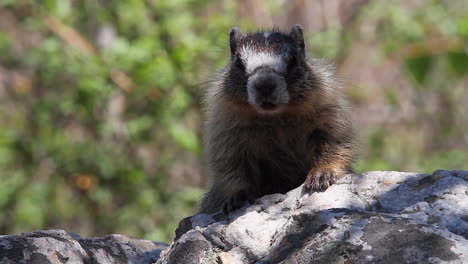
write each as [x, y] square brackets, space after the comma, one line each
[267, 90]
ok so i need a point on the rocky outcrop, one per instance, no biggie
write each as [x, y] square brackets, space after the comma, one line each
[373, 217]
[58, 246]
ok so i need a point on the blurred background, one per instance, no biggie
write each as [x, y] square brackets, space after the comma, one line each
[100, 100]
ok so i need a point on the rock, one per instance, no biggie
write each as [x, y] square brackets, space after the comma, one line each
[58, 246]
[373, 217]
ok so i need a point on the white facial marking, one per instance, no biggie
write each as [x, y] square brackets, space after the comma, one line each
[254, 59]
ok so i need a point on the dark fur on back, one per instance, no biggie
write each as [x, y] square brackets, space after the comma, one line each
[251, 151]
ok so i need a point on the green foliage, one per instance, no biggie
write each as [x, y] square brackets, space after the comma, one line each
[71, 152]
[429, 41]
[419, 68]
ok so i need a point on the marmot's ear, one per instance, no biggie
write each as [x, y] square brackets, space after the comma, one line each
[234, 35]
[298, 37]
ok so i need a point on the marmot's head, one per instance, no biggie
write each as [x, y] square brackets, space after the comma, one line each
[267, 70]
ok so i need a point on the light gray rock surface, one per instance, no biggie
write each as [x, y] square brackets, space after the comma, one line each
[58, 246]
[373, 217]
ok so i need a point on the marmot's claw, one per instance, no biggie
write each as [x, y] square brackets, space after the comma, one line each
[320, 179]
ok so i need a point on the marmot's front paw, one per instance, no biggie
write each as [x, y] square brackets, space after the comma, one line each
[237, 201]
[320, 179]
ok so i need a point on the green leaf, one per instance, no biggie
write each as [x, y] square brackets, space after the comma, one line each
[185, 137]
[418, 68]
[458, 62]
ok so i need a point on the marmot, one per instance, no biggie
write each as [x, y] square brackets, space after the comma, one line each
[274, 119]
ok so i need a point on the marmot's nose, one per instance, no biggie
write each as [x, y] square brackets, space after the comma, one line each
[265, 85]
[267, 90]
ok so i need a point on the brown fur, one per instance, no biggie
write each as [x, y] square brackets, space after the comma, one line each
[251, 155]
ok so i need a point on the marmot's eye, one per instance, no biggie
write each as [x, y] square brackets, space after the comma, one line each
[292, 62]
[238, 63]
